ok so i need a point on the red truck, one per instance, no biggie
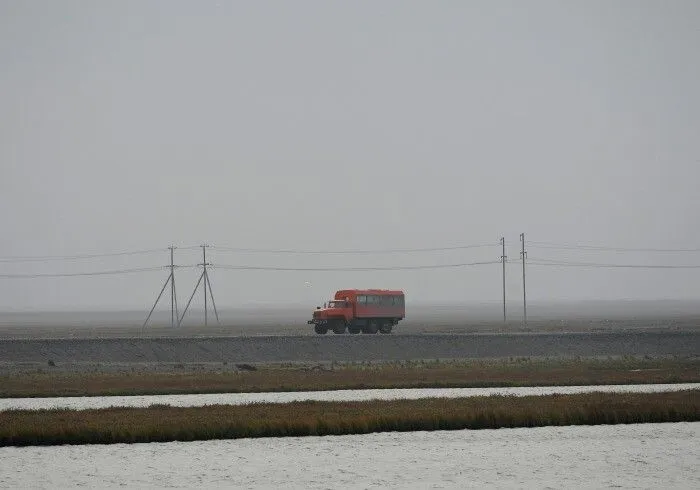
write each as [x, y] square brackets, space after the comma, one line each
[360, 310]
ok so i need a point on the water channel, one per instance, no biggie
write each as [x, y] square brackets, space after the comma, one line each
[618, 456]
[194, 400]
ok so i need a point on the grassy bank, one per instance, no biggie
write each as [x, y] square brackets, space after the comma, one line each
[163, 423]
[418, 374]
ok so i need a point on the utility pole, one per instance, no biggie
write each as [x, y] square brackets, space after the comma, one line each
[204, 277]
[523, 255]
[503, 260]
[204, 265]
[173, 296]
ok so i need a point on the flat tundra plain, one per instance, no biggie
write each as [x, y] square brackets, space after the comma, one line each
[61, 342]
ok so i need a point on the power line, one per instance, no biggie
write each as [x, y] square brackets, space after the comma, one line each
[348, 269]
[49, 258]
[77, 274]
[564, 263]
[532, 244]
[350, 251]
[568, 246]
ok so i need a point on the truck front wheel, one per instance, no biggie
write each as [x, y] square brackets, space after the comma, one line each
[320, 329]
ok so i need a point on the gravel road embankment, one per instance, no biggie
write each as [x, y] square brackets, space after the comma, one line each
[272, 349]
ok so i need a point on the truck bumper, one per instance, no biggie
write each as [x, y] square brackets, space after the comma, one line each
[318, 321]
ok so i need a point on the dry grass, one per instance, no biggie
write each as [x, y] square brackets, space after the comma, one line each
[164, 423]
[458, 374]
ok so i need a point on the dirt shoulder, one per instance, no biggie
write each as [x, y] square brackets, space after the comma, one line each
[238, 378]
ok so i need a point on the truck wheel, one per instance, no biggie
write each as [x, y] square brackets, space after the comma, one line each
[354, 330]
[371, 327]
[320, 329]
[385, 328]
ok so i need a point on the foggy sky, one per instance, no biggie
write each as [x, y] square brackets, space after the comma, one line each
[129, 125]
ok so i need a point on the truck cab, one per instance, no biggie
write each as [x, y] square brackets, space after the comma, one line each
[335, 315]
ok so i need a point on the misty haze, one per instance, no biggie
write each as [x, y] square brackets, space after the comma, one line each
[133, 126]
[220, 197]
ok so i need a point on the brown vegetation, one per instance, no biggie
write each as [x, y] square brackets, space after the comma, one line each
[419, 374]
[164, 423]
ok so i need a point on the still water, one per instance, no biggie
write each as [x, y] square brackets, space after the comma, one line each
[627, 456]
[81, 403]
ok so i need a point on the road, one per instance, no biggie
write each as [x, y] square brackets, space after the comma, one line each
[103, 352]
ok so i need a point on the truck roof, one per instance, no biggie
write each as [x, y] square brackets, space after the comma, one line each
[371, 291]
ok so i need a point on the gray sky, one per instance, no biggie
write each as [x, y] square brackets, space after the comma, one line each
[129, 125]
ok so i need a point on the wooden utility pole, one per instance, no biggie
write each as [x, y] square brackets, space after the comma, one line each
[523, 255]
[204, 276]
[503, 260]
[173, 295]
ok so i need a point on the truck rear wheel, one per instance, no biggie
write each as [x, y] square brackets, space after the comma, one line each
[320, 329]
[371, 327]
[354, 330]
[385, 328]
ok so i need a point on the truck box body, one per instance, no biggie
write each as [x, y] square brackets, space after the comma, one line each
[374, 303]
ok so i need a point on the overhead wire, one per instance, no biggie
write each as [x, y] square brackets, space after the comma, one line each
[77, 274]
[360, 268]
[567, 263]
[241, 267]
[600, 248]
[531, 244]
[49, 258]
[352, 251]
[530, 261]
